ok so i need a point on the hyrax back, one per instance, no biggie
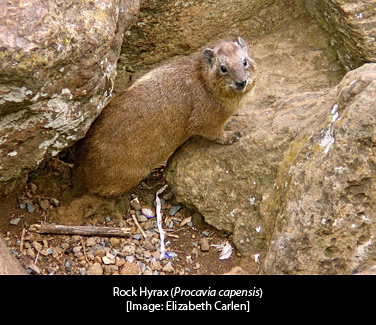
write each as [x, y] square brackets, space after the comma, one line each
[143, 125]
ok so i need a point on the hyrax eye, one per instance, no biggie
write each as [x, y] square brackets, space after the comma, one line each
[223, 69]
[245, 62]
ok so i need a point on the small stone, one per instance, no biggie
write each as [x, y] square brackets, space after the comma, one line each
[90, 242]
[95, 269]
[135, 203]
[107, 260]
[174, 209]
[148, 245]
[55, 202]
[155, 265]
[33, 188]
[90, 256]
[204, 244]
[22, 206]
[100, 253]
[77, 249]
[83, 271]
[30, 252]
[195, 252]
[115, 242]
[130, 259]
[44, 204]
[148, 212]
[136, 236]
[128, 250]
[168, 268]
[130, 269]
[37, 246]
[147, 254]
[30, 208]
[120, 262]
[15, 221]
[141, 217]
[76, 238]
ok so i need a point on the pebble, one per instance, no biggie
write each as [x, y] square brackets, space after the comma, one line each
[77, 249]
[15, 221]
[130, 259]
[136, 204]
[115, 242]
[90, 241]
[174, 209]
[155, 265]
[137, 236]
[30, 208]
[147, 212]
[168, 268]
[95, 269]
[141, 217]
[44, 204]
[55, 202]
[108, 259]
[204, 244]
[37, 246]
[148, 245]
[130, 269]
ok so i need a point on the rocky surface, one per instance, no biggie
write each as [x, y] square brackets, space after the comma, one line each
[295, 194]
[190, 247]
[298, 188]
[166, 29]
[351, 26]
[57, 71]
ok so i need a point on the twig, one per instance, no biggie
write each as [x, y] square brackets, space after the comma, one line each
[22, 239]
[84, 249]
[138, 225]
[80, 230]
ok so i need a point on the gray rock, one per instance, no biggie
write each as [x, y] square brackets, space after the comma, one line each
[204, 244]
[15, 221]
[174, 209]
[30, 208]
[137, 236]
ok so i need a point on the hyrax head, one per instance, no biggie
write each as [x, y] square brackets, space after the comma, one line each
[234, 71]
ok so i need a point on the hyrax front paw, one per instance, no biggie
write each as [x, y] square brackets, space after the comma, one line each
[230, 137]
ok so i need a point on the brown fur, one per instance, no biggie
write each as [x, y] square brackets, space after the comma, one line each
[144, 124]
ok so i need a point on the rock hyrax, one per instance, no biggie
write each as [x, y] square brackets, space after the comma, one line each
[143, 125]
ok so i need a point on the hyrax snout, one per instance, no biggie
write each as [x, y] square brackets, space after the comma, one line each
[144, 124]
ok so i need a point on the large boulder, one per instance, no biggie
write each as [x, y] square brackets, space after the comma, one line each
[166, 29]
[57, 70]
[299, 188]
[351, 26]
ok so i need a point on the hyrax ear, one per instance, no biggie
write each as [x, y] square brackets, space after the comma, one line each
[242, 43]
[208, 55]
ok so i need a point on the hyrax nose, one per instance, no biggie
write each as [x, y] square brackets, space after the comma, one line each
[241, 84]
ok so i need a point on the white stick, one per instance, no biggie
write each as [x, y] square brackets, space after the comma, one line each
[159, 222]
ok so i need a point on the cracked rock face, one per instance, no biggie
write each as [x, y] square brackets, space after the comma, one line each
[298, 190]
[351, 26]
[57, 71]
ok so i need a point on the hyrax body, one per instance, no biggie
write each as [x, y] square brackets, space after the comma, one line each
[144, 124]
